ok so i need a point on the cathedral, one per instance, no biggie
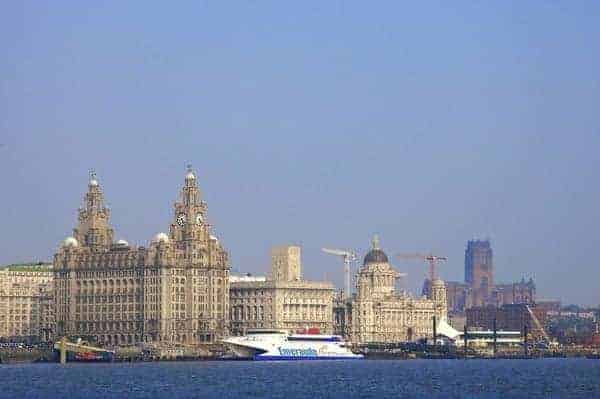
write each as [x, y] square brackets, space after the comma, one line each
[380, 314]
[174, 291]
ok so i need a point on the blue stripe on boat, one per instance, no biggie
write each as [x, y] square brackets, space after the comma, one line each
[259, 357]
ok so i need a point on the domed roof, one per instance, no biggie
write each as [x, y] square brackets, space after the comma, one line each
[122, 242]
[93, 179]
[161, 237]
[190, 175]
[438, 283]
[70, 242]
[375, 255]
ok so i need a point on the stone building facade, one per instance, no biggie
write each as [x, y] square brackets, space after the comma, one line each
[286, 263]
[22, 299]
[380, 314]
[46, 312]
[284, 301]
[174, 291]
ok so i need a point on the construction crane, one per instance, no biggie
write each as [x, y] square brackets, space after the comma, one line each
[348, 257]
[430, 258]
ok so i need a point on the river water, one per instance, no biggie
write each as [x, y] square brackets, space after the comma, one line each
[545, 378]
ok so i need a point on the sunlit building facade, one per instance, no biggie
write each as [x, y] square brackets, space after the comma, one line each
[174, 291]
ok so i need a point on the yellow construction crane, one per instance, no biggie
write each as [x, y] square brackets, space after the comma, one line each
[433, 261]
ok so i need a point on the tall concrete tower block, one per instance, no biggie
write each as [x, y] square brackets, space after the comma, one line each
[286, 263]
[479, 270]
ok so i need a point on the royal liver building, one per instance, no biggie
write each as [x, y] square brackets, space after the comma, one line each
[174, 291]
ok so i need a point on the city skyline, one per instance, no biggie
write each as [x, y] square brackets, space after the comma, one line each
[335, 272]
[318, 126]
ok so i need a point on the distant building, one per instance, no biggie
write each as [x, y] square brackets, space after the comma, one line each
[479, 270]
[521, 292]
[380, 314]
[510, 317]
[549, 305]
[284, 301]
[458, 296]
[479, 288]
[286, 263]
[23, 296]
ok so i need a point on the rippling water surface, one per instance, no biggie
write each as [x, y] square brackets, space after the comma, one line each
[560, 378]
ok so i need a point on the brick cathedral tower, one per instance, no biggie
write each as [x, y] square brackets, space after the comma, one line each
[479, 270]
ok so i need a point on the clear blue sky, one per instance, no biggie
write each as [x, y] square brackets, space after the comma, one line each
[317, 123]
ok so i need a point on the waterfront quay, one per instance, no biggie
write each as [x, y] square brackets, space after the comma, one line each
[20, 353]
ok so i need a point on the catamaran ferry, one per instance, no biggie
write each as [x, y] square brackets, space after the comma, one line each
[279, 345]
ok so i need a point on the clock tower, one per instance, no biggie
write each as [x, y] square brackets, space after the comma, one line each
[93, 229]
[189, 215]
[199, 274]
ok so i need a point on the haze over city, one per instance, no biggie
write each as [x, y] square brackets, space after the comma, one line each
[322, 125]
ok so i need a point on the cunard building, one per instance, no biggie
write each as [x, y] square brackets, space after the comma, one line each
[174, 291]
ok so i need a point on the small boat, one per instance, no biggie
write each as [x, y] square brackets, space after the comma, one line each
[82, 351]
[280, 345]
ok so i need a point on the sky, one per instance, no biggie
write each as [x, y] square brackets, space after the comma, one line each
[313, 123]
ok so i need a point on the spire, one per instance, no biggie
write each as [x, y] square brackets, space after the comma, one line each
[93, 228]
[190, 194]
[190, 210]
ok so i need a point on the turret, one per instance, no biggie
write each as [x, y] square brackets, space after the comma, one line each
[376, 277]
[93, 229]
[190, 213]
[438, 295]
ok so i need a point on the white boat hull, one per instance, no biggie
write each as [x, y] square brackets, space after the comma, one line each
[280, 346]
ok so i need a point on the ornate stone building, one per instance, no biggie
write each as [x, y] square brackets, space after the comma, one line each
[174, 291]
[380, 314]
[284, 301]
[22, 298]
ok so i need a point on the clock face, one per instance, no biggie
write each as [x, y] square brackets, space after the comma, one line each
[181, 219]
[199, 219]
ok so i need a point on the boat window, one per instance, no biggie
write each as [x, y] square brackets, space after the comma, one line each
[308, 338]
